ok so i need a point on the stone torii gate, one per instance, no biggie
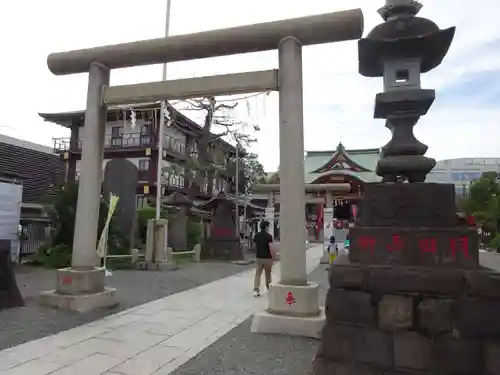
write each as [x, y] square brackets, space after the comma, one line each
[82, 287]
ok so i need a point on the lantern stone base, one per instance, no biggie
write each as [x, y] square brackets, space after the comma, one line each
[293, 310]
[415, 320]
[80, 290]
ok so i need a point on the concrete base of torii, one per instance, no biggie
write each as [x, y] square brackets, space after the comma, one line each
[293, 310]
[80, 290]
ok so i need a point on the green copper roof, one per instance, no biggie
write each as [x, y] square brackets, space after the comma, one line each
[365, 158]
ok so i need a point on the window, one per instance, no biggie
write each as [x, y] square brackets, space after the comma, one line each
[402, 75]
[117, 136]
[143, 165]
[116, 131]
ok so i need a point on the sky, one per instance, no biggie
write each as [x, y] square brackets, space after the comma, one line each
[338, 102]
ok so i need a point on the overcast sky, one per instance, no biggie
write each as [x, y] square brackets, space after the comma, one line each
[464, 120]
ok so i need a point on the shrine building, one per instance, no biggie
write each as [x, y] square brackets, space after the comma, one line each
[347, 169]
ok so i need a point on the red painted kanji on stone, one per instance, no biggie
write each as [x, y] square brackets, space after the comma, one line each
[290, 299]
[427, 245]
[366, 243]
[396, 244]
[460, 244]
[66, 280]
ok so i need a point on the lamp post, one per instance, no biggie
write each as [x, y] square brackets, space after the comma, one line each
[161, 127]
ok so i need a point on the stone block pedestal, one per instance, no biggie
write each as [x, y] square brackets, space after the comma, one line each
[80, 290]
[410, 299]
[411, 321]
[293, 310]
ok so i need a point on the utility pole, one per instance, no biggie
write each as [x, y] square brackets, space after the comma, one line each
[161, 127]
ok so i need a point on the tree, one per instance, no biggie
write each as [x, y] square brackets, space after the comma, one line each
[253, 171]
[483, 202]
[206, 163]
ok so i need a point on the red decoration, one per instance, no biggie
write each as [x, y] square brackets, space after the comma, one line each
[427, 245]
[319, 219]
[471, 221]
[460, 244]
[66, 280]
[354, 210]
[290, 299]
[397, 244]
[224, 232]
[366, 243]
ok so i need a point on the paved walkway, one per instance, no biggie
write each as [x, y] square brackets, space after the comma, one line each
[154, 338]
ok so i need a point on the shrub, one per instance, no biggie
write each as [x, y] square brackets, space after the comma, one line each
[58, 256]
[57, 252]
[495, 243]
[194, 233]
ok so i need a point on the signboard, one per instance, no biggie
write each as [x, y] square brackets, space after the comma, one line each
[10, 211]
[269, 216]
[328, 229]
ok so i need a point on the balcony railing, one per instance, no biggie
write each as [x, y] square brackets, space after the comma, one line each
[128, 140]
[174, 144]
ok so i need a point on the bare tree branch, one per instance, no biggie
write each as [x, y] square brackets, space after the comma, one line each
[225, 106]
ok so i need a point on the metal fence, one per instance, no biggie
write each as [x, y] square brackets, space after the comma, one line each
[33, 233]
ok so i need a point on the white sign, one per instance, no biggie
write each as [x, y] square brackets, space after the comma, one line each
[327, 225]
[10, 212]
[269, 216]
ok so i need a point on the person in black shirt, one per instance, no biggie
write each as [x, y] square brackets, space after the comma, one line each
[264, 254]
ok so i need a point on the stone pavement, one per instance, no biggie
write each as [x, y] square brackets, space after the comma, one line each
[154, 338]
[32, 321]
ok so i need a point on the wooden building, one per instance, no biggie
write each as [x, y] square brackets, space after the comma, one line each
[132, 133]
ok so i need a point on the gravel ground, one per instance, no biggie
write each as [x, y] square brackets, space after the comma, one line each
[20, 325]
[241, 352]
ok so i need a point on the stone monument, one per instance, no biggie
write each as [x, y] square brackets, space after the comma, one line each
[178, 219]
[120, 179]
[9, 292]
[411, 297]
[222, 242]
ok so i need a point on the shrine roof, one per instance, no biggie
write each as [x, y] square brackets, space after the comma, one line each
[360, 163]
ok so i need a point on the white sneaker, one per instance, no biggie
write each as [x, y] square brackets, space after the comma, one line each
[256, 294]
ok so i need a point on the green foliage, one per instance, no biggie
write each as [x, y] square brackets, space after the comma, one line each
[143, 215]
[194, 233]
[58, 256]
[254, 170]
[483, 202]
[62, 212]
[495, 243]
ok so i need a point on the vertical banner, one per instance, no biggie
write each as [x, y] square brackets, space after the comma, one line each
[102, 247]
[328, 230]
[269, 216]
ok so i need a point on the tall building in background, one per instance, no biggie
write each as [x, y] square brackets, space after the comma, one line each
[462, 172]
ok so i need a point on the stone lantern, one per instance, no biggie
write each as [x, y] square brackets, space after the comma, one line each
[399, 50]
[411, 297]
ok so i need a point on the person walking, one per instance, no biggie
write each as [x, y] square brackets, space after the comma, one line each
[265, 256]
